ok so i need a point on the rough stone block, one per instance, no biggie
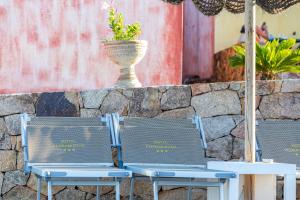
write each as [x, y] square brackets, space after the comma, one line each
[18, 145]
[93, 98]
[176, 97]
[32, 183]
[236, 86]
[142, 188]
[115, 102]
[220, 148]
[216, 127]
[238, 148]
[13, 178]
[13, 124]
[20, 160]
[262, 88]
[93, 189]
[218, 86]
[291, 85]
[5, 142]
[199, 194]
[181, 113]
[3, 128]
[110, 196]
[257, 103]
[89, 113]
[265, 87]
[278, 85]
[239, 130]
[71, 195]
[8, 160]
[238, 118]
[280, 105]
[20, 192]
[200, 88]
[128, 93]
[181, 193]
[16, 104]
[177, 194]
[145, 102]
[217, 103]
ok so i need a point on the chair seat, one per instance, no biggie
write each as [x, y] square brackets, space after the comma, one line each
[79, 171]
[179, 171]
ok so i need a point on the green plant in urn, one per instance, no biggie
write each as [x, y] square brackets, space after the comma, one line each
[124, 48]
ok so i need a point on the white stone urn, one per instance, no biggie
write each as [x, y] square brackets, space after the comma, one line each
[126, 54]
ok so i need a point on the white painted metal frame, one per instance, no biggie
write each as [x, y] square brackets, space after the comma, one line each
[198, 122]
[79, 171]
[259, 168]
[157, 172]
[60, 173]
[62, 181]
[178, 171]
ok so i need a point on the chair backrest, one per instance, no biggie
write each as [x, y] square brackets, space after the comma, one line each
[279, 140]
[61, 140]
[65, 121]
[160, 141]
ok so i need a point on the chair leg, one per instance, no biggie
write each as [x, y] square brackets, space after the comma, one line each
[233, 190]
[155, 190]
[98, 193]
[49, 190]
[289, 186]
[131, 188]
[189, 193]
[38, 185]
[221, 192]
[117, 190]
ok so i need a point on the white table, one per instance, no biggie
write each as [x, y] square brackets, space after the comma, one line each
[265, 179]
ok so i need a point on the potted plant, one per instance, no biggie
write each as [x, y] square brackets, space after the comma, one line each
[124, 49]
[272, 58]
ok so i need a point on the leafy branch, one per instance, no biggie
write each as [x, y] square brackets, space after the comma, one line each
[272, 58]
[120, 30]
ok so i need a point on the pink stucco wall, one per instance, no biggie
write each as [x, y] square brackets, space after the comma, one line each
[52, 45]
[199, 32]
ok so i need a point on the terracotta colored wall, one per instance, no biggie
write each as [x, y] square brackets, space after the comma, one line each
[198, 56]
[49, 45]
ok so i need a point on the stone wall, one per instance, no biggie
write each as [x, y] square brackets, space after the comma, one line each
[220, 104]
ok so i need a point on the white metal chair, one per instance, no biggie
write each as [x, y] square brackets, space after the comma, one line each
[168, 151]
[279, 140]
[70, 151]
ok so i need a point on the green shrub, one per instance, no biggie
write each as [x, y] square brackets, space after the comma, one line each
[120, 30]
[271, 59]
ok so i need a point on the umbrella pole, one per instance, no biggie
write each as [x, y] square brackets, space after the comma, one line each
[250, 91]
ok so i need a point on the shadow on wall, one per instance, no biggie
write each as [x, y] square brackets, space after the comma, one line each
[57, 104]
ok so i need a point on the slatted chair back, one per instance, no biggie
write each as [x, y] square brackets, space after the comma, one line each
[161, 141]
[279, 140]
[60, 140]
